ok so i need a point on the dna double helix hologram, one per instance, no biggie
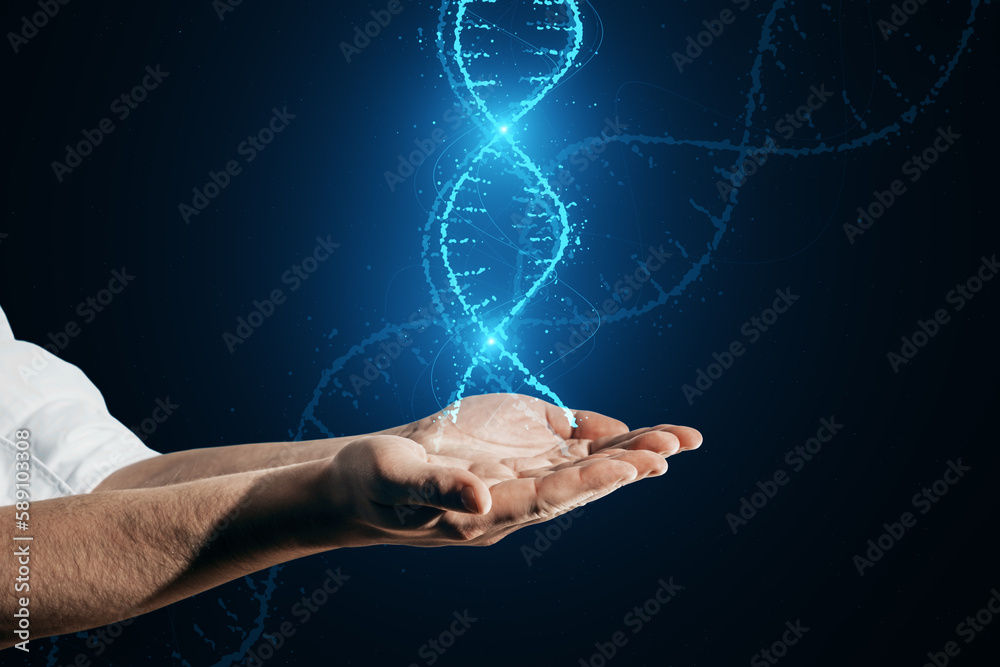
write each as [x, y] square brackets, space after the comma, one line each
[499, 224]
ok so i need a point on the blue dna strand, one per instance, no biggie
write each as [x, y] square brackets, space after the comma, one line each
[504, 272]
[499, 230]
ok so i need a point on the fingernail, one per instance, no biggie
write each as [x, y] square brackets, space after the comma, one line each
[469, 499]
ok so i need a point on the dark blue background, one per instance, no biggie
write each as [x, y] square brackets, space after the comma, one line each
[324, 176]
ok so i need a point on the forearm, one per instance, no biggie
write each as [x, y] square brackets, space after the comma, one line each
[103, 557]
[195, 464]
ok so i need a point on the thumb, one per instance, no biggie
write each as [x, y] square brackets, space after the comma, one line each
[408, 478]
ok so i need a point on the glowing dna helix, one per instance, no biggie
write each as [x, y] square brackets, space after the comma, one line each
[468, 232]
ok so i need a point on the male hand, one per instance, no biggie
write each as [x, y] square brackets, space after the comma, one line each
[509, 461]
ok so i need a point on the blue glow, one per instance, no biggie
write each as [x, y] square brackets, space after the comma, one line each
[461, 213]
[343, 376]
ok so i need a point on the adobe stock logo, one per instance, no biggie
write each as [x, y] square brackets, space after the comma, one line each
[223, 7]
[753, 329]
[779, 649]
[164, 409]
[959, 297]
[363, 37]
[545, 538]
[392, 348]
[923, 501]
[752, 504]
[122, 107]
[899, 17]
[968, 630]
[88, 310]
[263, 310]
[635, 620]
[703, 40]
[622, 292]
[305, 609]
[914, 168]
[432, 651]
[37, 21]
[755, 159]
[249, 149]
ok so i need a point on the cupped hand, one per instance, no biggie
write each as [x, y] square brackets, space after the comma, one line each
[500, 463]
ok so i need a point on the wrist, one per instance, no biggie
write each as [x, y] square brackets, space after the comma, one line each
[332, 508]
[294, 504]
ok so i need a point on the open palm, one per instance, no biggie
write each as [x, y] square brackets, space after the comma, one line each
[506, 462]
[500, 437]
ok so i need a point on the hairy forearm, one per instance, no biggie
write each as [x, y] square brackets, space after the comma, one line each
[195, 464]
[106, 556]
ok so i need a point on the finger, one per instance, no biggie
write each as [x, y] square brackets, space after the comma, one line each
[666, 439]
[522, 500]
[573, 424]
[647, 463]
[503, 523]
[689, 438]
[592, 425]
[403, 476]
[663, 443]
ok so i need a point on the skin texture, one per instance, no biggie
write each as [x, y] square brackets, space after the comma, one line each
[171, 527]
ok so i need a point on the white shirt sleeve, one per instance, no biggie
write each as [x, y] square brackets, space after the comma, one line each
[73, 441]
